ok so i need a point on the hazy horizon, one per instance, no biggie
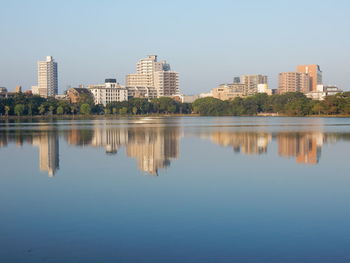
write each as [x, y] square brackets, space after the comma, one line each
[207, 43]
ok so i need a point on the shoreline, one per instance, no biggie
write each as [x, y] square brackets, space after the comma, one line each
[111, 116]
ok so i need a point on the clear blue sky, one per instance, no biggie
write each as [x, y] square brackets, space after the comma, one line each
[207, 42]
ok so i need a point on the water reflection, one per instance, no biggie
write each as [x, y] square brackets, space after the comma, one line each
[155, 146]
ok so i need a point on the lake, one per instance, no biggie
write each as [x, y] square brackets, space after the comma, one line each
[175, 189]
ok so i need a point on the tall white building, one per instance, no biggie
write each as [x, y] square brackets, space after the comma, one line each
[47, 78]
[153, 79]
[109, 92]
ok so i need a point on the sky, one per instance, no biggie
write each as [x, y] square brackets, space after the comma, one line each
[207, 42]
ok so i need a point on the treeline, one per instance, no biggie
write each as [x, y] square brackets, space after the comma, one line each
[24, 105]
[291, 104]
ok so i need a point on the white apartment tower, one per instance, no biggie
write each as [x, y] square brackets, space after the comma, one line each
[153, 79]
[47, 78]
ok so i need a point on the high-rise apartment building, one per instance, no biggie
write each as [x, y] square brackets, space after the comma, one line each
[252, 82]
[153, 79]
[47, 78]
[314, 73]
[293, 82]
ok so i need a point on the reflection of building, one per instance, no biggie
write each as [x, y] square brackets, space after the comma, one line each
[244, 142]
[306, 147]
[110, 138]
[153, 147]
[48, 152]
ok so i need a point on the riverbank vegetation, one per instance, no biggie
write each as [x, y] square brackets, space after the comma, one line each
[288, 104]
[23, 105]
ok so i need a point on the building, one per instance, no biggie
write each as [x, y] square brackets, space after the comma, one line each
[293, 82]
[314, 73]
[185, 98]
[323, 91]
[229, 91]
[142, 92]
[18, 89]
[108, 92]
[47, 78]
[76, 94]
[252, 82]
[264, 88]
[153, 79]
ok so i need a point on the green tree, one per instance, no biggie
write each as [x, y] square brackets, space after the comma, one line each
[85, 109]
[123, 110]
[51, 109]
[7, 110]
[19, 109]
[42, 109]
[60, 110]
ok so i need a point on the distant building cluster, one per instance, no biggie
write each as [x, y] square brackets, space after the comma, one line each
[155, 79]
[306, 79]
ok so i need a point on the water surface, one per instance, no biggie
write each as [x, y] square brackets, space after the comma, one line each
[226, 189]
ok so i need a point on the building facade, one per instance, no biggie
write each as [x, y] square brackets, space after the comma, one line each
[47, 78]
[229, 91]
[293, 82]
[76, 94]
[153, 75]
[108, 92]
[315, 75]
[252, 82]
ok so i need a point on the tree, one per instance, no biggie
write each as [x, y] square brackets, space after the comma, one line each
[19, 109]
[59, 110]
[123, 111]
[42, 109]
[85, 109]
[51, 109]
[7, 110]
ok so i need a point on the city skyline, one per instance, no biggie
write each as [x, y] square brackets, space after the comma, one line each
[203, 50]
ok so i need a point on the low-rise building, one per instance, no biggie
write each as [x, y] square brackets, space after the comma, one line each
[322, 91]
[230, 91]
[185, 98]
[264, 88]
[108, 92]
[75, 94]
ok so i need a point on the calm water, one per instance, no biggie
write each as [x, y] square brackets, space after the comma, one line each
[176, 190]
